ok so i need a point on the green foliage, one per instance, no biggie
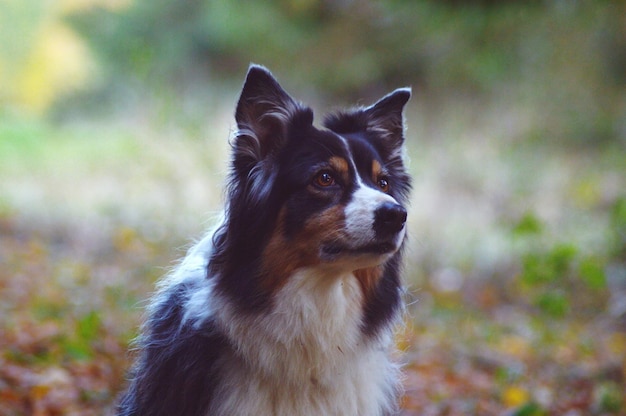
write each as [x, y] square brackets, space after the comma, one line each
[529, 224]
[530, 409]
[554, 303]
[89, 326]
[549, 266]
[591, 271]
[81, 344]
[609, 397]
[562, 59]
[618, 225]
[558, 277]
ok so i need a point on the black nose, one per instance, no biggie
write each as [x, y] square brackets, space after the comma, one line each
[389, 219]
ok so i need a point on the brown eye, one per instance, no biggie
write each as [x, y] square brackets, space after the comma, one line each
[324, 179]
[383, 184]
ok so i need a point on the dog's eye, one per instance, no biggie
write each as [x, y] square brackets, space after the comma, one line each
[383, 184]
[324, 179]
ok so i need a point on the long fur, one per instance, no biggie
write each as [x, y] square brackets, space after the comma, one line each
[288, 306]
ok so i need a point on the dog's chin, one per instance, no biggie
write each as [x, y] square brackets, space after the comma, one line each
[376, 252]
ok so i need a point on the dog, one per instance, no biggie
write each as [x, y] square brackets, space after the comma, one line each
[288, 306]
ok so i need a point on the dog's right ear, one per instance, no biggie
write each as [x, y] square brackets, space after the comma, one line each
[263, 112]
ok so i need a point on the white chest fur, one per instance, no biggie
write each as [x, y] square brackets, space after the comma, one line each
[308, 356]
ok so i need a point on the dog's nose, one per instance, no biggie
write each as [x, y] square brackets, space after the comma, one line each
[389, 219]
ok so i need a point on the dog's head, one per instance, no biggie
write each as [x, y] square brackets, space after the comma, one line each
[331, 198]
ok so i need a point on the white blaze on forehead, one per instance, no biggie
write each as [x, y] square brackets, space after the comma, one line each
[360, 213]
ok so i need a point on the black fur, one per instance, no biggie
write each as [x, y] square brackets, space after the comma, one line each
[176, 373]
[385, 299]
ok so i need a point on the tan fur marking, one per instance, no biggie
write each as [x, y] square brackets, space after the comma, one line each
[340, 165]
[377, 170]
[282, 256]
[368, 279]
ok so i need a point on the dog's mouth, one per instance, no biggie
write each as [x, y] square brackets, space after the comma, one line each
[333, 250]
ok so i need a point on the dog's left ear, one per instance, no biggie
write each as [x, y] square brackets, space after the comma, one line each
[385, 116]
[383, 120]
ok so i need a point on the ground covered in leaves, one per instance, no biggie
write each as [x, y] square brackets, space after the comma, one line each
[506, 315]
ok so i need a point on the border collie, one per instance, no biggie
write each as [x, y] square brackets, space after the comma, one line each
[288, 307]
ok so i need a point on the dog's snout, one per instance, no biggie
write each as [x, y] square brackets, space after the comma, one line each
[389, 219]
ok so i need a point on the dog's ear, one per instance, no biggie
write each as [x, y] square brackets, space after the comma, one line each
[385, 116]
[382, 120]
[264, 115]
[263, 112]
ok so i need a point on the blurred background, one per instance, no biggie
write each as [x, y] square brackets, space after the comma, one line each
[115, 117]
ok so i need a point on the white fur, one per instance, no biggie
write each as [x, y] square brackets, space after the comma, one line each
[307, 356]
[359, 215]
[359, 212]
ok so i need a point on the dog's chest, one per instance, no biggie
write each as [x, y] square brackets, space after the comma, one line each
[363, 386]
[308, 356]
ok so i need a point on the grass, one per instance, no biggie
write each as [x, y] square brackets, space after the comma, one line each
[93, 212]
